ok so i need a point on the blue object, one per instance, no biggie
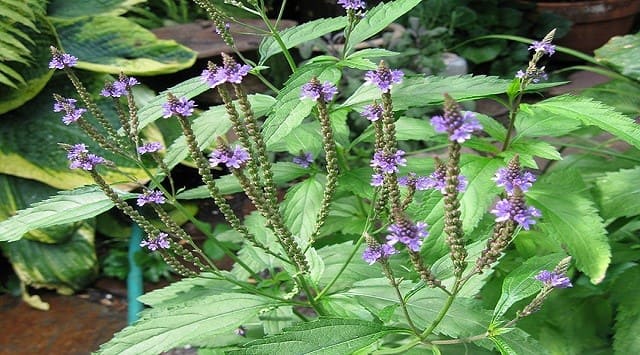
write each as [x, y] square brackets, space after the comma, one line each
[134, 278]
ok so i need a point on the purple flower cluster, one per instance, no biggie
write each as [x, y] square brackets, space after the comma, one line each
[150, 147]
[304, 160]
[376, 252]
[540, 46]
[372, 112]
[516, 210]
[80, 158]
[314, 90]
[161, 241]
[352, 4]
[72, 114]
[388, 163]
[407, 233]
[231, 159]
[512, 177]
[437, 180]
[229, 72]
[61, 60]
[414, 181]
[119, 87]
[178, 107]
[151, 196]
[219, 31]
[383, 77]
[459, 127]
[553, 279]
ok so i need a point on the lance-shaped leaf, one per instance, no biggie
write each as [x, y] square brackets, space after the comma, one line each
[301, 206]
[377, 19]
[111, 44]
[206, 321]
[323, 336]
[592, 113]
[570, 217]
[627, 326]
[296, 35]
[66, 207]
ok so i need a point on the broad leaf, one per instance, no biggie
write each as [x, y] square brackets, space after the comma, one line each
[520, 283]
[299, 34]
[283, 172]
[70, 8]
[534, 121]
[518, 342]
[592, 113]
[112, 44]
[205, 321]
[68, 266]
[335, 257]
[291, 108]
[187, 289]
[493, 128]
[301, 206]
[621, 53]
[619, 193]
[304, 138]
[29, 138]
[377, 19]
[534, 148]
[322, 336]
[66, 207]
[573, 220]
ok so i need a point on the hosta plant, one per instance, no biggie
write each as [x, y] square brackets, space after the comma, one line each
[357, 245]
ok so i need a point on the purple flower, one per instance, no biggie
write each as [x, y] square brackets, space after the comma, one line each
[459, 127]
[512, 177]
[553, 279]
[376, 252]
[544, 47]
[408, 234]
[177, 107]
[151, 196]
[304, 160]
[514, 209]
[534, 74]
[150, 147]
[388, 164]
[372, 112]
[352, 4]
[231, 159]
[61, 60]
[383, 77]
[219, 31]
[72, 114]
[377, 180]
[159, 242]
[80, 158]
[520, 74]
[314, 90]
[119, 87]
[229, 72]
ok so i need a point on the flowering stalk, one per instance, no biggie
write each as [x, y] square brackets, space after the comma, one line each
[329, 145]
[532, 74]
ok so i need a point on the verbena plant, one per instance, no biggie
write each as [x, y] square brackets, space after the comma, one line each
[372, 249]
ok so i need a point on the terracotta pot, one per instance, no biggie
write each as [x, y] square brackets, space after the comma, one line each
[594, 22]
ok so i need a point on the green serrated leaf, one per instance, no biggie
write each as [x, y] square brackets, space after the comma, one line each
[626, 340]
[66, 207]
[291, 109]
[535, 148]
[573, 220]
[323, 336]
[112, 45]
[493, 128]
[519, 343]
[533, 121]
[520, 283]
[299, 34]
[301, 206]
[70, 8]
[619, 193]
[621, 53]
[593, 113]
[187, 289]
[377, 19]
[304, 138]
[205, 321]
[335, 256]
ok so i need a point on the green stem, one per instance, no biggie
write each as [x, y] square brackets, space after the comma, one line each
[443, 311]
[512, 119]
[278, 39]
